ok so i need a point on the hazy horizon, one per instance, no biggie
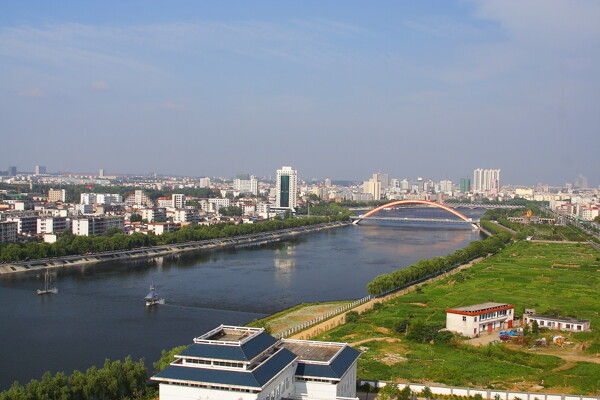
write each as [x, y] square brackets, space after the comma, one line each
[335, 89]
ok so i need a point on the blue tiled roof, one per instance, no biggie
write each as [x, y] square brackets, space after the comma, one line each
[335, 370]
[256, 378]
[245, 352]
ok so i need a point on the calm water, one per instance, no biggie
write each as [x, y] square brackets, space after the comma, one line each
[99, 312]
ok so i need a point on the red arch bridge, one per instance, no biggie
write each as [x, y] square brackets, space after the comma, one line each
[462, 219]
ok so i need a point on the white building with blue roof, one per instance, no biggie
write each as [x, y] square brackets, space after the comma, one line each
[242, 363]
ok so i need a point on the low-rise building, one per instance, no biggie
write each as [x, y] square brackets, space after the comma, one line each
[8, 232]
[161, 227]
[88, 226]
[242, 363]
[558, 323]
[51, 224]
[472, 320]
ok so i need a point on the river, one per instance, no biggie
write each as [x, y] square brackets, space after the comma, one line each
[99, 312]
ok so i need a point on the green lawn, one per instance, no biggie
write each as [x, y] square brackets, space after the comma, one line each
[529, 275]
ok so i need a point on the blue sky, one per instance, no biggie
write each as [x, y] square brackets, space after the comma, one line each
[340, 89]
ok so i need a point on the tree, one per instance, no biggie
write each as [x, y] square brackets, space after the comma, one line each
[535, 328]
[351, 316]
[426, 392]
[405, 393]
[388, 391]
[402, 326]
[135, 218]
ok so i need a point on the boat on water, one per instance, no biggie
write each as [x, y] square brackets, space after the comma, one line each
[152, 298]
[48, 287]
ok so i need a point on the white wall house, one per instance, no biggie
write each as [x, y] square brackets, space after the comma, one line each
[472, 320]
[242, 363]
[558, 323]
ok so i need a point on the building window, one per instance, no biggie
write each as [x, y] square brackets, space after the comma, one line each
[475, 319]
[578, 327]
[464, 318]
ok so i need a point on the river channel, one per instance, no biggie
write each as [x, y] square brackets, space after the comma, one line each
[99, 312]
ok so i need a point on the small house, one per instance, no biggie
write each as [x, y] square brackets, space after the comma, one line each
[473, 320]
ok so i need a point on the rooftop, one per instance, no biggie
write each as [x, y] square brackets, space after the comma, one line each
[559, 319]
[225, 334]
[313, 351]
[475, 308]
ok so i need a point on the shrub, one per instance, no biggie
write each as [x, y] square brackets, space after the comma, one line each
[351, 316]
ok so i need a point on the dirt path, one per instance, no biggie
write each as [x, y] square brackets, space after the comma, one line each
[387, 338]
[571, 358]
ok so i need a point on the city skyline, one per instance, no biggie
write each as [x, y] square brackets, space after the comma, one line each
[579, 181]
[405, 88]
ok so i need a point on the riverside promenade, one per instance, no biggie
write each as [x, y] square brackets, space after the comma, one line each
[255, 239]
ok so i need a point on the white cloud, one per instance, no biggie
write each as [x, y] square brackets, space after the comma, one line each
[33, 93]
[99, 86]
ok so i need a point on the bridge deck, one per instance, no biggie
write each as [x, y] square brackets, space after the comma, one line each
[410, 219]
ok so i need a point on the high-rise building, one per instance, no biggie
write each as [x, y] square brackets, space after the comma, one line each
[40, 170]
[486, 180]
[465, 185]
[286, 188]
[376, 185]
[12, 171]
[247, 185]
[178, 200]
[101, 173]
[446, 186]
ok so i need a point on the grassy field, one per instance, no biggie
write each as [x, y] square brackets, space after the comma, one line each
[544, 276]
[291, 317]
[557, 232]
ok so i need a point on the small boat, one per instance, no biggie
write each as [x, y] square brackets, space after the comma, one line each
[152, 297]
[48, 288]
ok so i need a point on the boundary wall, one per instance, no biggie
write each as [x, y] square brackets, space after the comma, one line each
[490, 394]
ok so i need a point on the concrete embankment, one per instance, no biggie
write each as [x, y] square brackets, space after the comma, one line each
[157, 251]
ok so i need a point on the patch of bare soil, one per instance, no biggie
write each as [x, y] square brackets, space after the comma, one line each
[566, 265]
[419, 304]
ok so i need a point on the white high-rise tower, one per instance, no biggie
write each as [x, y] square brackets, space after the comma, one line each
[287, 181]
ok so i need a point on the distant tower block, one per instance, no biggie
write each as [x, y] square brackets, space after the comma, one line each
[287, 181]
[102, 173]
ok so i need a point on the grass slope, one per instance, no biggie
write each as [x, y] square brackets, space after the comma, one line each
[529, 275]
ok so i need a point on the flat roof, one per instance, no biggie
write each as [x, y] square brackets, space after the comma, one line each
[559, 319]
[482, 307]
[229, 334]
[311, 351]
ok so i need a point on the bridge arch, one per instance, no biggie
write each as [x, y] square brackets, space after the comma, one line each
[414, 201]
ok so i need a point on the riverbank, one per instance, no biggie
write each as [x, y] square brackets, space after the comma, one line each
[526, 274]
[256, 239]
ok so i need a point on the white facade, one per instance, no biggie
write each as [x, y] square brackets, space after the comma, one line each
[178, 200]
[558, 323]
[486, 180]
[96, 225]
[233, 363]
[470, 321]
[52, 224]
[286, 194]
[246, 185]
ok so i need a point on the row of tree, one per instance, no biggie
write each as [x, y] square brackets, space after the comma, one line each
[115, 380]
[70, 244]
[425, 268]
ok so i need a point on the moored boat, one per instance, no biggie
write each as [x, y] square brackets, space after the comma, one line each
[48, 288]
[152, 298]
